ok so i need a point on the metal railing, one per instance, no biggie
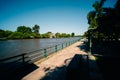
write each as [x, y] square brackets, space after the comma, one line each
[31, 57]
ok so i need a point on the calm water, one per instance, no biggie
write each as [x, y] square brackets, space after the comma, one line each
[14, 47]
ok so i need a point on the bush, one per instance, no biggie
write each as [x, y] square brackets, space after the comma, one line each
[15, 35]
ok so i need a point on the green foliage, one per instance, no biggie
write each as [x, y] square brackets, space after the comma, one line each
[7, 33]
[24, 32]
[24, 29]
[91, 16]
[64, 35]
[15, 35]
[72, 34]
[2, 33]
[85, 34]
[36, 29]
[57, 35]
[34, 35]
[105, 20]
[45, 35]
[26, 36]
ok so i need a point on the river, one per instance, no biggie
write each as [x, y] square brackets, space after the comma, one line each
[14, 47]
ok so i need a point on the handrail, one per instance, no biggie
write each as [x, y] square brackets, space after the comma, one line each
[13, 57]
[38, 52]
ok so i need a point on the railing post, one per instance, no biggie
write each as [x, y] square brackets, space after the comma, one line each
[45, 53]
[55, 48]
[62, 45]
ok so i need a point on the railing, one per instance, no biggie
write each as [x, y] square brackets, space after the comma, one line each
[31, 57]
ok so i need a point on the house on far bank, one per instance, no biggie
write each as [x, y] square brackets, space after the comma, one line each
[51, 35]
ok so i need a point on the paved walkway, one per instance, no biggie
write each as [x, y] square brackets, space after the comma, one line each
[56, 62]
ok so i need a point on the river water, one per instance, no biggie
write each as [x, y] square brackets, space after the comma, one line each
[10, 48]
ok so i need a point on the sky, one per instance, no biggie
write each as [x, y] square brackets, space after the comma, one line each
[64, 16]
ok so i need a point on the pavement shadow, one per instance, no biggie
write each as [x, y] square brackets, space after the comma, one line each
[84, 47]
[78, 68]
[10, 71]
[59, 73]
[72, 70]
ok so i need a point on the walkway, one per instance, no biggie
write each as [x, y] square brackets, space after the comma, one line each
[54, 65]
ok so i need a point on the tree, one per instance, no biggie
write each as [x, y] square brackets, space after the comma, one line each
[2, 33]
[7, 33]
[85, 34]
[91, 16]
[26, 36]
[105, 20]
[95, 17]
[72, 34]
[45, 35]
[24, 29]
[16, 35]
[36, 28]
[57, 35]
[64, 35]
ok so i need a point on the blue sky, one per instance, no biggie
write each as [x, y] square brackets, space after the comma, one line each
[64, 16]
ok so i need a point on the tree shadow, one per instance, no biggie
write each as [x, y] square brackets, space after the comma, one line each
[74, 69]
[10, 71]
[84, 47]
[59, 73]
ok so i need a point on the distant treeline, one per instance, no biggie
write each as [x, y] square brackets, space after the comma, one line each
[24, 32]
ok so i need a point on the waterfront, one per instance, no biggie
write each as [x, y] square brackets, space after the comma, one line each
[15, 47]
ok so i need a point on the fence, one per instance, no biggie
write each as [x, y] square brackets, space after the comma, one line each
[22, 59]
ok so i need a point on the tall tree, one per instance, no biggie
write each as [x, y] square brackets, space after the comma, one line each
[72, 34]
[36, 28]
[105, 20]
[94, 17]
